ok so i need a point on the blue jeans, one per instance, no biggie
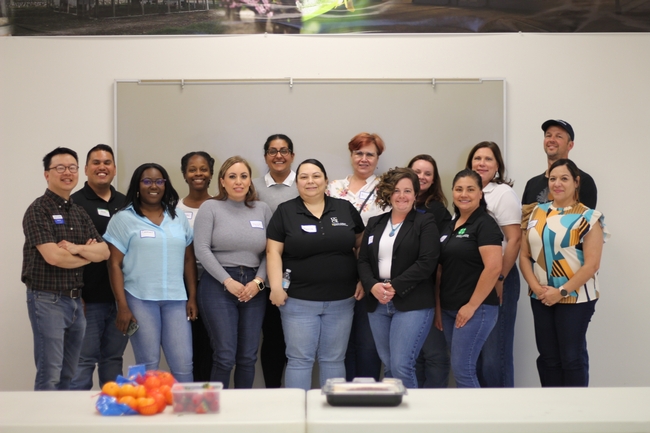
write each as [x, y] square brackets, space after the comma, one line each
[58, 324]
[315, 329]
[495, 364]
[433, 365]
[361, 357]
[234, 327]
[103, 345]
[561, 337]
[399, 336]
[466, 342]
[162, 323]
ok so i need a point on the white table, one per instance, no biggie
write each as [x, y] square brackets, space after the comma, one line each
[520, 410]
[267, 410]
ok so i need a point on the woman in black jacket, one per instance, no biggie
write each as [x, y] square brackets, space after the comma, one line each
[398, 255]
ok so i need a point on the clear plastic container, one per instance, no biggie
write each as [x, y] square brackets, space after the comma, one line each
[197, 397]
[364, 391]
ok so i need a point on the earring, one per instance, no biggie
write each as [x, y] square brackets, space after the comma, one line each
[137, 194]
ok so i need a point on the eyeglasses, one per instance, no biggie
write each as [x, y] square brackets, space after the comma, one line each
[360, 155]
[62, 168]
[148, 182]
[284, 151]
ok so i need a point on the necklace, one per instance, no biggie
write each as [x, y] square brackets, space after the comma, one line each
[393, 228]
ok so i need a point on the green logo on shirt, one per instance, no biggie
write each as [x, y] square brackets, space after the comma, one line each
[462, 231]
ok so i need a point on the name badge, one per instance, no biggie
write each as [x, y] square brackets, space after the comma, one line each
[442, 238]
[371, 238]
[103, 212]
[58, 219]
[147, 234]
[257, 224]
[363, 195]
[531, 224]
[309, 228]
[189, 215]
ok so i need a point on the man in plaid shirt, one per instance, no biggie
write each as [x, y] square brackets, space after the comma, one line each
[60, 238]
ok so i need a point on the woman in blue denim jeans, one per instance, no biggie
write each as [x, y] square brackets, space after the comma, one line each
[152, 269]
[559, 260]
[315, 236]
[397, 259]
[496, 364]
[470, 264]
[230, 240]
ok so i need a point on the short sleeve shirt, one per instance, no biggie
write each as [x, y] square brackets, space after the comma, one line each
[502, 204]
[52, 219]
[96, 282]
[364, 201]
[319, 251]
[555, 237]
[154, 256]
[461, 259]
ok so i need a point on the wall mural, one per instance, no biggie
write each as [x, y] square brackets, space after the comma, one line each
[169, 17]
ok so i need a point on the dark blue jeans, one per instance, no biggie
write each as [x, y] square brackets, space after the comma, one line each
[103, 346]
[465, 343]
[234, 327]
[561, 337]
[361, 357]
[495, 367]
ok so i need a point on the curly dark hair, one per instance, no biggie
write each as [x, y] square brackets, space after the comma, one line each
[388, 180]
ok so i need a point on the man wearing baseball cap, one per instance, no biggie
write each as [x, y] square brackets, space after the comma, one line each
[558, 141]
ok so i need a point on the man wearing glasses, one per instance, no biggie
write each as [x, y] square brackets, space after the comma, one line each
[277, 186]
[60, 239]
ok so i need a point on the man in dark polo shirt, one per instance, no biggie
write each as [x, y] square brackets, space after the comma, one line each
[558, 141]
[103, 343]
[60, 239]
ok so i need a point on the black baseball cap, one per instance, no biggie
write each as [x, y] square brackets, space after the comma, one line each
[561, 123]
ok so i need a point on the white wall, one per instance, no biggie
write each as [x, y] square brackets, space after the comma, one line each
[59, 92]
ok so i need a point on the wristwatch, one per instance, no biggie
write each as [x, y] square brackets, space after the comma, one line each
[260, 284]
[563, 292]
[501, 278]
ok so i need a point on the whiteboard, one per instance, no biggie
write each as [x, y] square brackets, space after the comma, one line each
[160, 121]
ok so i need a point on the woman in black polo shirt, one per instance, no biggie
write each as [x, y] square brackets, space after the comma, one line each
[470, 264]
[315, 236]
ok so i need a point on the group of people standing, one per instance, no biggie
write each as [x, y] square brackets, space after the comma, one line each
[352, 273]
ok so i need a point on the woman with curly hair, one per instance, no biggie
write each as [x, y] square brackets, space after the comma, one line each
[398, 255]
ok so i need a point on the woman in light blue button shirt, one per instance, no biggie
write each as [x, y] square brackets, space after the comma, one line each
[153, 271]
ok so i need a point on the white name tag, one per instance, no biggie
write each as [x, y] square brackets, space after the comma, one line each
[58, 219]
[531, 224]
[147, 234]
[442, 238]
[363, 195]
[189, 215]
[370, 239]
[257, 224]
[309, 228]
[103, 212]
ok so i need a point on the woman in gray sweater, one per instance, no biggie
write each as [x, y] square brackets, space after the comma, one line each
[230, 242]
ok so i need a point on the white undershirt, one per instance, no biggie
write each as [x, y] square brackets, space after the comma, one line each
[386, 251]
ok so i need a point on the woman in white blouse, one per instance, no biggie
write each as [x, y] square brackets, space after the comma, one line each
[359, 188]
